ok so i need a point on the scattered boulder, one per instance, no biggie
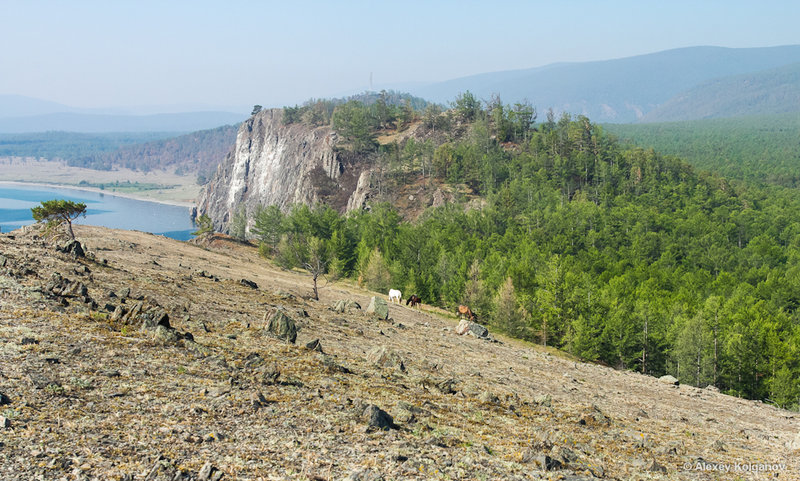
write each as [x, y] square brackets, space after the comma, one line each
[4, 399]
[271, 374]
[280, 325]
[487, 397]
[654, 467]
[283, 295]
[669, 380]
[249, 283]
[473, 328]
[4, 422]
[343, 305]
[377, 418]
[72, 247]
[142, 315]
[594, 417]
[543, 400]
[712, 388]
[545, 462]
[382, 357]
[364, 475]
[314, 345]
[63, 287]
[209, 473]
[378, 307]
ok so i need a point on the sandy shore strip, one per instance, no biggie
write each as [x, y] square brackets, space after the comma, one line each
[143, 198]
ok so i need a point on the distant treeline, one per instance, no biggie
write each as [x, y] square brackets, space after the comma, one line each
[762, 148]
[71, 146]
[197, 153]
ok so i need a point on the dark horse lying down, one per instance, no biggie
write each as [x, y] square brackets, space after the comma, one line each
[414, 300]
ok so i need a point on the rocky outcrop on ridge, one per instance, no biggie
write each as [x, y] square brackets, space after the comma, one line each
[272, 163]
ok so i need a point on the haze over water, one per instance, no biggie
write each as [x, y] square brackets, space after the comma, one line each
[16, 201]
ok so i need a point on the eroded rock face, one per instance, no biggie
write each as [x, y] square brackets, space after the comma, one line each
[272, 163]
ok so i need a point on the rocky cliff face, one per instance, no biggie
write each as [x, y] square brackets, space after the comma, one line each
[273, 163]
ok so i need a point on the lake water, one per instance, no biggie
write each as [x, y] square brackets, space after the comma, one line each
[102, 209]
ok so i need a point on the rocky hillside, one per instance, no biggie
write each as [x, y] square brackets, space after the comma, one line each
[148, 358]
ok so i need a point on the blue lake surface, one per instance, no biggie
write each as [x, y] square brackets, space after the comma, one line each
[102, 209]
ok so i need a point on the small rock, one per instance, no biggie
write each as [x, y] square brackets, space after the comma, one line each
[281, 326]
[258, 400]
[718, 446]
[669, 380]
[271, 375]
[249, 283]
[656, 468]
[365, 475]
[377, 418]
[343, 305]
[712, 388]
[25, 341]
[4, 399]
[315, 345]
[545, 462]
[487, 397]
[4, 422]
[382, 357]
[543, 400]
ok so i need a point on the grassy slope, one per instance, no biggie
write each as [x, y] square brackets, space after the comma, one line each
[187, 406]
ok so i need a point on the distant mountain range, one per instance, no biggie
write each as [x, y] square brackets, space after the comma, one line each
[774, 91]
[629, 89]
[680, 84]
[20, 114]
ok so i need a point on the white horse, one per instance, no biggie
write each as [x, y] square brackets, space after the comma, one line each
[394, 294]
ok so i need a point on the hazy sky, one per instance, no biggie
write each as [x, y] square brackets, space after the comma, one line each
[238, 53]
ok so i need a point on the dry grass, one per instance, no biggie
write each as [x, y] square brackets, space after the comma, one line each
[91, 399]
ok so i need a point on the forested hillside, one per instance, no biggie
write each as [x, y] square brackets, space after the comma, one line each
[755, 148]
[197, 153]
[616, 254]
[773, 91]
[71, 146]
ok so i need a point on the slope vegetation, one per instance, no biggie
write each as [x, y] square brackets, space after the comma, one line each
[91, 394]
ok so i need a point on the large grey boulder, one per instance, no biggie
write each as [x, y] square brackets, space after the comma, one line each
[280, 325]
[473, 328]
[378, 307]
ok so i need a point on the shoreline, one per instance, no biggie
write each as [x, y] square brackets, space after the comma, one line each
[125, 195]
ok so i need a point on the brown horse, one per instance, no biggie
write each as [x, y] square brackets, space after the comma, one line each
[465, 311]
[414, 300]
